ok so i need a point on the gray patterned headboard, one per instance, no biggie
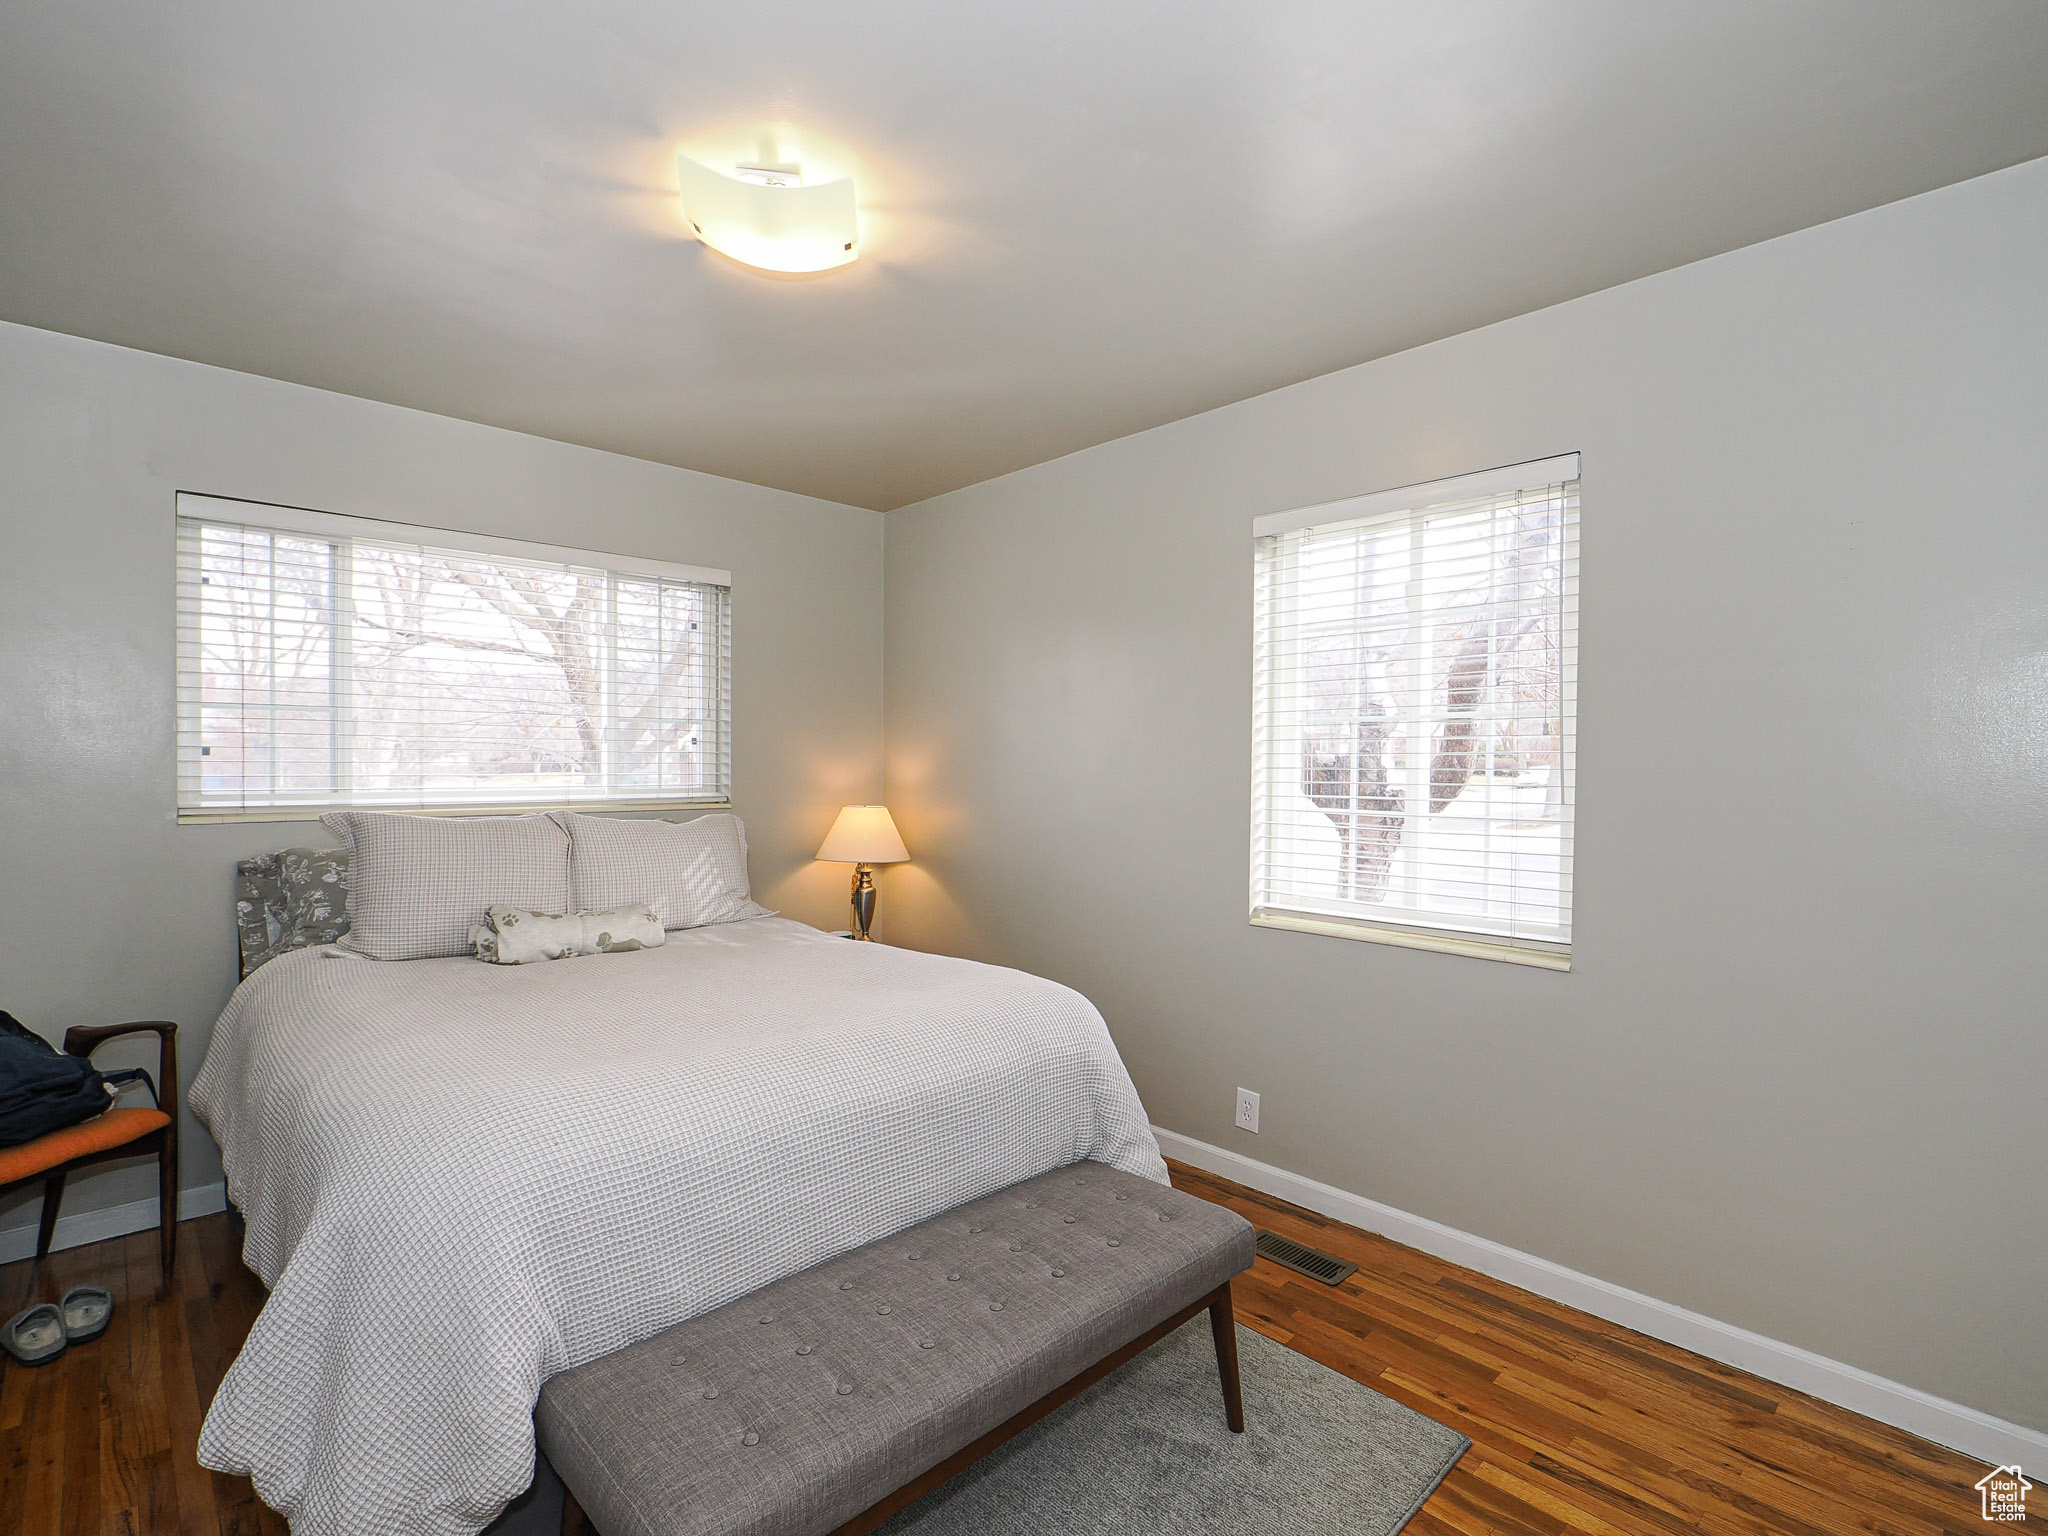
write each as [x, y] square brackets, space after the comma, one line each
[290, 900]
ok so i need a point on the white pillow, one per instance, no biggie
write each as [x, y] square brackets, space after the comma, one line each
[514, 937]
[693, 873]
[417, 883]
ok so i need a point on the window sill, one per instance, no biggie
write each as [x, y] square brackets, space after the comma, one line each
[1412, 938]
[315, 812]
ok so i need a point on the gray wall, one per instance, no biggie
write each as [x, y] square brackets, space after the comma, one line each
[1794, 1080]
[108, 908]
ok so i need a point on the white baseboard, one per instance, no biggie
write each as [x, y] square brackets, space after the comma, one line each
[1889, 1402]
[111, 1221]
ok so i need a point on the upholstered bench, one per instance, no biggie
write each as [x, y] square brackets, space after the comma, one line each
[829, 1400]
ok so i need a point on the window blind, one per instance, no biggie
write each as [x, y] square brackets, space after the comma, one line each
[327, 661]
[1414, 694]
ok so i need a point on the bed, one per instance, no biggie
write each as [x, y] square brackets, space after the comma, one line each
[460, 1178]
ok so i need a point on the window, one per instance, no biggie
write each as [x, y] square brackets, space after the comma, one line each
[1414, 684]
[328, 661]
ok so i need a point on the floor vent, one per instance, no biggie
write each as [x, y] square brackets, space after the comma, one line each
[1313, 1262]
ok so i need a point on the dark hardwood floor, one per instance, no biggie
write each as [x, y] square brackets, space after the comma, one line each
[1577, 1425]
[103, 1438]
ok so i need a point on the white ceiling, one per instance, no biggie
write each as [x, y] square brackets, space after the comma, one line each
[1082, 219]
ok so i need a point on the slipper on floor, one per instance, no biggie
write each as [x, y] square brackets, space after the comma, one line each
[34, 1334]
[87, 1309]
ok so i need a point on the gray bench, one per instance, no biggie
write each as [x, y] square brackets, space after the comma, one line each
[830, 1400]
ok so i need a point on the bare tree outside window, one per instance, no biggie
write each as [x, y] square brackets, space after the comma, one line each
[1414, 669]
[354, 670]
[1344, 773]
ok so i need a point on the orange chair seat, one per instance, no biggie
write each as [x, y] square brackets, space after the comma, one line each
[115, 1128]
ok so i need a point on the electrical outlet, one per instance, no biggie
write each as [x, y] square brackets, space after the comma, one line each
[1247, 1111]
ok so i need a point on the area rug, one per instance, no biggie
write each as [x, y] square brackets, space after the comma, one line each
[1145, 1452]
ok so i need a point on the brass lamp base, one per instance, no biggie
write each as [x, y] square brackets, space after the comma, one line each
[863, 901]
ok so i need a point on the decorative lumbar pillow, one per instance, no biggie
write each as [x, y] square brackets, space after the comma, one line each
[416, 884]
[693, 873]
[513, 937]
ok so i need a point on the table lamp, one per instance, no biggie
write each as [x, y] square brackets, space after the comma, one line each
[863, 836]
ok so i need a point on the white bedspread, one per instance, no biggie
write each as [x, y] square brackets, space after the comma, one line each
[461, 1178]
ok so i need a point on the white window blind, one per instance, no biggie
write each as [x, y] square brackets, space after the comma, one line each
[327, 661]
[1414, 697]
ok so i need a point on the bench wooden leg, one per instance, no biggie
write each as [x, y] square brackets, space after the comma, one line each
[574, 1521]
[1223, 1323]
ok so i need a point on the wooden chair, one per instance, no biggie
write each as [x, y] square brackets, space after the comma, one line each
[120, 1132]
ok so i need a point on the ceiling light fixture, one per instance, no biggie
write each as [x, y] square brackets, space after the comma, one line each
[767, 216]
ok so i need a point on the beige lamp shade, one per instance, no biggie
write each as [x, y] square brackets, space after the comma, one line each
[863, 834]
